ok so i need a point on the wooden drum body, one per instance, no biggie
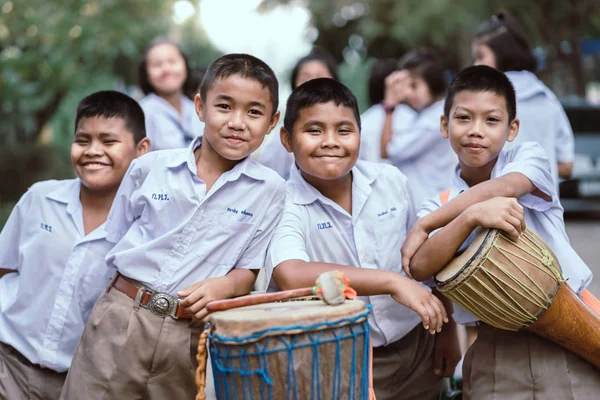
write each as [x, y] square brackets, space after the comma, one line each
[291, 350]
[519, 285]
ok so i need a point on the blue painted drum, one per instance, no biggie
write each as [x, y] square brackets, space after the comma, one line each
[301, 350]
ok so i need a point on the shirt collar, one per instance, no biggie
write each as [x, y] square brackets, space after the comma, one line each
[68, 194]
[246, 166]
[460, 185]
[362, 179]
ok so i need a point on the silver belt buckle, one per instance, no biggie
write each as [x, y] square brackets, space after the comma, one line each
[162, 305]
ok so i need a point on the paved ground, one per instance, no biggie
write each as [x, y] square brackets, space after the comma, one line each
[585, 239]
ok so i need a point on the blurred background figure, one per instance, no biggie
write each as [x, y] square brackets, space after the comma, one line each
[419, 150]
[373, 118]
[317, 64]
[501, 43]
[166, 79]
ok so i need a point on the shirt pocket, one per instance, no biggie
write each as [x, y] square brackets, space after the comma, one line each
[226, 240]
[390, 235]
[95, 277]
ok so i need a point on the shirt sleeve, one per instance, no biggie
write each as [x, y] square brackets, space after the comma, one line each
[565, 142]
[10, 236]
[289, 239]
[255, 254]
[530, 160]
[122, 212]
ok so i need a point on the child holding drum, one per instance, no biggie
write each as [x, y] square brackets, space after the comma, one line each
[506, 190]
[189, 226]
[52, 249]
[352, 216]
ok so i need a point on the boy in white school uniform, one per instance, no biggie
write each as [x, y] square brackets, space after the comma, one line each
[53, 245]
[352, 217]
[502, 189]
[190, 226]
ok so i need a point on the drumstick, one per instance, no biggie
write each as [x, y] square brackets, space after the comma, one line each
[332, 287]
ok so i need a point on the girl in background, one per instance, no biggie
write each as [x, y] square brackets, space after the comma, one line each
[165, 77]
[418, 149]
[501, 43]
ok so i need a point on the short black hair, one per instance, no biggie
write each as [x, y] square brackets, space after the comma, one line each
[317, 54]
[380, 70]
[144, 82]
[319, 91]
[507, 40]
[112, 104]
[429, 66]
[248, 67]
[481, 78]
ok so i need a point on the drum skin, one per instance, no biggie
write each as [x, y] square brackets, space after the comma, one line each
[519, 285]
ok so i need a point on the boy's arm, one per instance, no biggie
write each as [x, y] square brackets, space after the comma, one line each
[240, 279]
[565, 143]
[396, 86]
[499, 213]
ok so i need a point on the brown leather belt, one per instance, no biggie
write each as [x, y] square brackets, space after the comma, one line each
[160, 304]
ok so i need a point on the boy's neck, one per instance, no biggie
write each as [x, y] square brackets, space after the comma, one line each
[337, 190]
[95, 207]
[173, 99]
[475, 175]
[210, 165]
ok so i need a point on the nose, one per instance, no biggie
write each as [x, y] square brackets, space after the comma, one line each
[330, 140]
[476, 129]
[94, 149]
[236, 122]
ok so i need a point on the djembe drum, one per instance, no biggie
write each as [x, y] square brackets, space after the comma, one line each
[519, 285]
[291, 350]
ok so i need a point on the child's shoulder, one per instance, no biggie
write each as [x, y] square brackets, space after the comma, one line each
[258, 171]
[43, 188]
[524, 151]
[159, 158]
[380, 172]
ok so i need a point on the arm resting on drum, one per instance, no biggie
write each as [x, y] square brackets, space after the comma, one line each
[294, 274]
[439, 249]
[513, 184]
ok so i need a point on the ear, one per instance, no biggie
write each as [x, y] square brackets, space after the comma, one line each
[199, 107]
[143, 146]
[274, 121]
[286, 139]
[513, 130]
[444, 126]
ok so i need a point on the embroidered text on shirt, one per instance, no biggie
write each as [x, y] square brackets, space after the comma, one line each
[247, 213]
[232, 210]
[324, 225]
[46, 227]
[160, 196]
[385, 212]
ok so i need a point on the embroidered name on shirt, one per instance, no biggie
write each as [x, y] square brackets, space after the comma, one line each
[232, 210]
[160, 196]
[247, 213]
[385, 212]
[324, 225]
[236, 211]
[46, 227]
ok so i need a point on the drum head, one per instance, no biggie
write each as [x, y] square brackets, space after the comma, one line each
[458, 263]
[245, 321]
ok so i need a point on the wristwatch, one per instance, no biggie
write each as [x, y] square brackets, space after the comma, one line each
[388, 109]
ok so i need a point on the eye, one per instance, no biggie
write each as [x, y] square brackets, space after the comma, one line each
[110, 141]
[462, 117]
[493, 119]
[345, 131]
[81, 141]
[313, 131]
[255, 112]
[223, 106]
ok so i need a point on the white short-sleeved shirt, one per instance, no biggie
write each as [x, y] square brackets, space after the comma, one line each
[543, 217]
[275, 156]
[168, 129]
[372, 122]
[170, 233]
[314, 228]
[423, 155]
[60, 273]
[542, 120]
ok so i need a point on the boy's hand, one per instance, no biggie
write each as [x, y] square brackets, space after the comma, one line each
[414, 240]
[447, 351]
[197, 296]
[396, 87]
[414, 296]
[502, 213]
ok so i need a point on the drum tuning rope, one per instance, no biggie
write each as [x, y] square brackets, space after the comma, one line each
[202, 358]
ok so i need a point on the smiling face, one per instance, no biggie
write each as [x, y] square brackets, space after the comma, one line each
[478, 126]
[419, 95]
[166, 69]
[237, 113]
[101, 152]
[325, 141]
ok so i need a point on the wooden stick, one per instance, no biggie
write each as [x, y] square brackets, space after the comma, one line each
[223, 305]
